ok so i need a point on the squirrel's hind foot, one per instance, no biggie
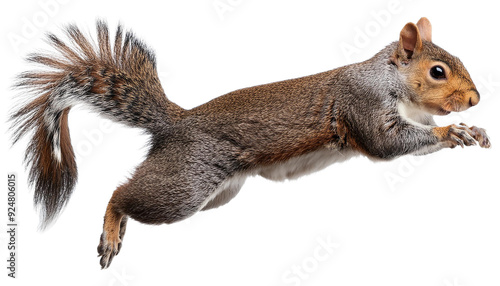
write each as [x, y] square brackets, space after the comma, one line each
[111, 238]
[107, 250]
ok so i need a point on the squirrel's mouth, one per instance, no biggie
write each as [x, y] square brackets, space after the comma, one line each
[442, 111]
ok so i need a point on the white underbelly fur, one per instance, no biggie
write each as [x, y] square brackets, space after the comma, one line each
[304, 164]
[290, 169]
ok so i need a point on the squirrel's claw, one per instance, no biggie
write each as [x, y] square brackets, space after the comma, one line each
[461, 135]
[479, 134]
[107, 250]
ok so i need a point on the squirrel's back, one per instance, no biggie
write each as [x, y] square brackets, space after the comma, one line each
[288, 118]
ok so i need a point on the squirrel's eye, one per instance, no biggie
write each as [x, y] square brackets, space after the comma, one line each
[437, 72]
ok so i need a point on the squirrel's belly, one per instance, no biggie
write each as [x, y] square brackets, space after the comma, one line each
[305, 164]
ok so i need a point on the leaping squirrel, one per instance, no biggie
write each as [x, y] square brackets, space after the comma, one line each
[198, 159]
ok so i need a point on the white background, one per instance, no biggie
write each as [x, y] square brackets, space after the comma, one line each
[433, 220]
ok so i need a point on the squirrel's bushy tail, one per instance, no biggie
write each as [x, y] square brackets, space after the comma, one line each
[119, 81]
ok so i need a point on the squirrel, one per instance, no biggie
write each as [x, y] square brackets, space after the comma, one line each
[198, 159]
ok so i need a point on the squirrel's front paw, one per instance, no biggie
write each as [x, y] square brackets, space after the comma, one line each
[454, 135]
[479, 134]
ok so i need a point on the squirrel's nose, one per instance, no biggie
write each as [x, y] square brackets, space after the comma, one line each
[474, 98]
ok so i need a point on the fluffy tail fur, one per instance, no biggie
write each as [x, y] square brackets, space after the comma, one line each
[119, 82]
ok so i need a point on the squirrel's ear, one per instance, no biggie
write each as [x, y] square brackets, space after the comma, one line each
[425, 29]
[409, 41]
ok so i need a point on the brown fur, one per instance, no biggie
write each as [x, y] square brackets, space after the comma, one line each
[67, 154]
[121, 83]
[199, 158]
[442, 132]
[440, 97]
[111, 238]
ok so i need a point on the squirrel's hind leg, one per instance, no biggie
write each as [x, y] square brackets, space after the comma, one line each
[123, 228]
[114, 228]
[175, 181]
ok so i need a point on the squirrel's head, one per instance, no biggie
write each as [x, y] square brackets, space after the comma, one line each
[440, 80]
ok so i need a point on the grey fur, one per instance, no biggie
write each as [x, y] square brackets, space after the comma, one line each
[198, 159]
